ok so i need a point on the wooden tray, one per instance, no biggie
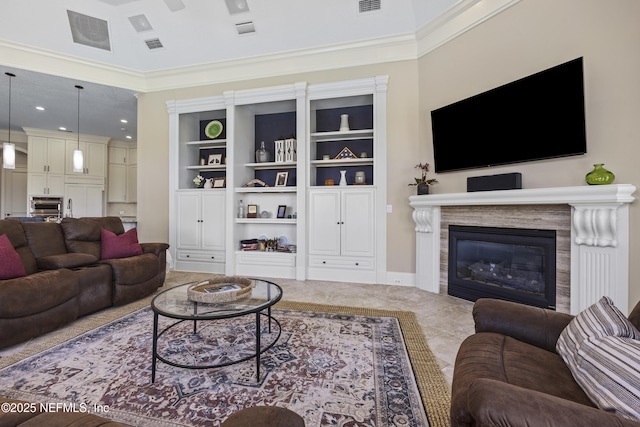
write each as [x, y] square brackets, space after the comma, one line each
[220, 289]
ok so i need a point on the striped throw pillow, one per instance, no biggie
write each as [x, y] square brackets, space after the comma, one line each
[602, 319]
[609, 373]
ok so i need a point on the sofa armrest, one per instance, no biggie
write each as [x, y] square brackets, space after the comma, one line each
[154, 248]
[533, 325]
[494, 403]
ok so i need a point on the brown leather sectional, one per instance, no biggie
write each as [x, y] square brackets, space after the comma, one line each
[509, 374]
[66, 278]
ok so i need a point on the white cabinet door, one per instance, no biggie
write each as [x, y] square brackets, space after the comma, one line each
[213, 224]
[117, 190]
[86, 200]
[188, 218]
[56, 159]
[357, 222]
[37, 158]
[132, 183]
[324, 223]
[95, 162]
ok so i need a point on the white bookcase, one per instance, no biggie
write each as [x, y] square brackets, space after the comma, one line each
[302, 117]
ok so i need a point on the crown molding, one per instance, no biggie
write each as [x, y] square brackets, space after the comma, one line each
[463, 16]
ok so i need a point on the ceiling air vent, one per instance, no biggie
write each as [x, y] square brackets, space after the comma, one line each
[154, 44]
[245, 27]
[89, 31]
[368, 5]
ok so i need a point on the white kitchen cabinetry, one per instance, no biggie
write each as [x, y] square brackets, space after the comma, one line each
[45, 166]
[87, 200]
[200, 239]
[94, 156]
[342, 234]
[122, 175]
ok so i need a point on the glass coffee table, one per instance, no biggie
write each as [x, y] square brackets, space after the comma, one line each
[174, 303]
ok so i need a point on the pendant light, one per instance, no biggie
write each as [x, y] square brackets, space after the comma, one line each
[78, 159]
[9, 149]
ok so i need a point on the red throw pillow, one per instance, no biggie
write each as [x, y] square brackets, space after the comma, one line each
[122, 246]
[10, 262]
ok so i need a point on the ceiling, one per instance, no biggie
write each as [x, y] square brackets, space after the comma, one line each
[192, 33]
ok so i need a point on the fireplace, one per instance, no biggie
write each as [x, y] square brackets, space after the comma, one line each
[513, 264]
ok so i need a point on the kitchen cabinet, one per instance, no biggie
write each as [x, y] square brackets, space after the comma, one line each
[45, 166]
[94, 158]
[87, 200]
[122, 175]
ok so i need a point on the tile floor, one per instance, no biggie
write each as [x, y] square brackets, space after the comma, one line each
[446, 321]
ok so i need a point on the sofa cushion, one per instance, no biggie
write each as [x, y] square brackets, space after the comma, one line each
[69, 260]
[601, 319]
[45, 238]
[607, 370]
[10, 262]
[122, 246]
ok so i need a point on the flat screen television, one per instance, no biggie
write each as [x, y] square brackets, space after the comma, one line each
[537, 117]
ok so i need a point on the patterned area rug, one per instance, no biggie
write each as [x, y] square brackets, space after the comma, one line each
[331, 368]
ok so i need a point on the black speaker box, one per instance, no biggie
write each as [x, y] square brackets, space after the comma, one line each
[505, 181]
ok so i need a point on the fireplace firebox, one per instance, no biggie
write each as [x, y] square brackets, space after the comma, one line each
[512, 264]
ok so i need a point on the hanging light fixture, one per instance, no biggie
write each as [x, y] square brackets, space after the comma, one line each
[78, 158]
[9, 149]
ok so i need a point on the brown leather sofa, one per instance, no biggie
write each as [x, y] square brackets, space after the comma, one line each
[66, 278]
[509, 374]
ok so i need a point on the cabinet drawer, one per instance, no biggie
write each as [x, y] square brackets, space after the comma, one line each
[211, 256]
[341, 262]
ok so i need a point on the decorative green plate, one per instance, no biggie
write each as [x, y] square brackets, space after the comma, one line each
[213, 129]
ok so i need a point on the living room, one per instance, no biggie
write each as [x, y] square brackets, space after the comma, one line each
[469, 55]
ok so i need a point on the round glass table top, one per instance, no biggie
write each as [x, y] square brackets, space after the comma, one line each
[175, 303]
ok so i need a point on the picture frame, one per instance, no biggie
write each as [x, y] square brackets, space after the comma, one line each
[281, 179]
[282, 211]
[252, 211]
[214, 160]
[219, 182]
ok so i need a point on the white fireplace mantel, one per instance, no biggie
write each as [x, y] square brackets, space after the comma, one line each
[599, 235]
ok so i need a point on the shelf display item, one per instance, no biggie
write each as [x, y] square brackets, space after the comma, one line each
[279, 151]
[291, 150]
[345, 153]
[262, 155]
[360, 178]
[343, 178]
[344, 123]
[213, 129]
[252, 211]
[240, 209]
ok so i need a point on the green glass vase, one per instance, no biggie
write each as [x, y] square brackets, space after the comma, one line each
[599, 175]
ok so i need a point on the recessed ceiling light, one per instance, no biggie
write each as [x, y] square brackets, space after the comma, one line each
[39, 108]
[62, 128]
[123, 121]
[128, 136]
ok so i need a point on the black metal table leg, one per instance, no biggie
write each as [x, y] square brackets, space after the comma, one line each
[155, 347]
[258, 347]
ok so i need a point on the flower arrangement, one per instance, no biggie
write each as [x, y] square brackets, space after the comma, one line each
[198, 181]
[423, 179]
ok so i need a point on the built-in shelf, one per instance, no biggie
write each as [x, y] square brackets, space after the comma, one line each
[265, 221]
[344, 162]
[271, 165]
[289, 189]
[342, 136]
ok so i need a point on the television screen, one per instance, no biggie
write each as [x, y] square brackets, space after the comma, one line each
[538, 117]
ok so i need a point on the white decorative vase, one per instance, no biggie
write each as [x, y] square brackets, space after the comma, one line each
[344, 123]
[343, 178]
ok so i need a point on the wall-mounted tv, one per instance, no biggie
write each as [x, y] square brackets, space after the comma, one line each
[537, 117]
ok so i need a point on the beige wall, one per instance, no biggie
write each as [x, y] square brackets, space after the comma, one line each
[529, 37]
[402, 107]
[526, 38]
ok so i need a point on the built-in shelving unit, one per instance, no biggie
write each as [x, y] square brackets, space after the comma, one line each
[299, 125]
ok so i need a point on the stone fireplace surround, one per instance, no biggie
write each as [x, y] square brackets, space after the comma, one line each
[598, 248]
